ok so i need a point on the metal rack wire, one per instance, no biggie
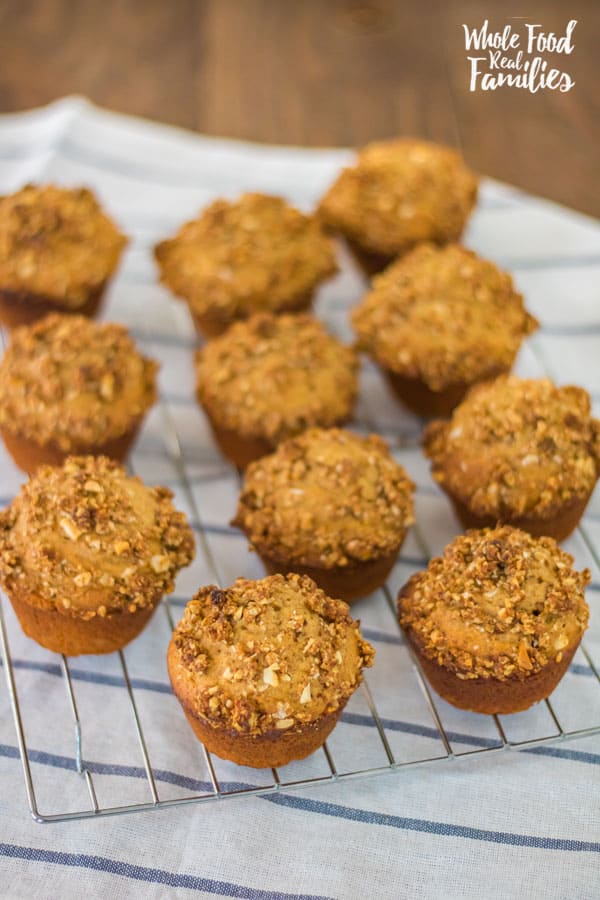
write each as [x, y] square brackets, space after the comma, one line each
[215, 789]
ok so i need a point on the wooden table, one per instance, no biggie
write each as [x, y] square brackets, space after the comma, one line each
[316, 72]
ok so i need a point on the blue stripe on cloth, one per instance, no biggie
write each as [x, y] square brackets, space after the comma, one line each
[57, 761]
[347, 717]
[426, 826]
[382, 637]
[147, 874]
[226, 530]
[167, 340]
[455, 737]
[444, 829]
[549, 262]
[138, 171]
[566, 330]
[160, 687]
[144, 684]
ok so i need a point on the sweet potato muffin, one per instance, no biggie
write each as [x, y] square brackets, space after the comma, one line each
[58, 249]
[329, 504]
[519, 451]
[439, 320]
[264, 668]
[256, 254]
[397, 194]
[87, 552]
[496, 620]
[270, 378]
[72, 386]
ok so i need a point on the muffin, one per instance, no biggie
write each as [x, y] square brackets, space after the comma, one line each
[58, 250]
[439, 320]
[72, 386]
[264, 668]
[271, 378]
[255, 254]
[87, 552]
[496, 620]
[329, 504]
[398, 194]
[519, 451]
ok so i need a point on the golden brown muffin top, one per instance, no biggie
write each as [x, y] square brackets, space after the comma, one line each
[442, 315]
[498, 604]
[73, 383]
[517, 447]
[239, 257]
[274, 376]
[266, 656]
[57, 243]
[327, 498]
[87, 539]
[399, 193]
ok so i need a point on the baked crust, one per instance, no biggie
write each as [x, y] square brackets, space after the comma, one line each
[496, 619]
[75, 637]
[214, 322]
[329, 500]
[264, 668]
[24, 308]
[398, 194]
[520, 451]
[254, 254]
[71, 384]
[442, 317]
[421, 400]
[56, 245]
[29, 456]
[272, 377]
[349, 583]
[86, 541]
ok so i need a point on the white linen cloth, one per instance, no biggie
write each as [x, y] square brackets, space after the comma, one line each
[509, 824]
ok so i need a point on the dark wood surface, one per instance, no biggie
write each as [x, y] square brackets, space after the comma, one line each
[317, 72]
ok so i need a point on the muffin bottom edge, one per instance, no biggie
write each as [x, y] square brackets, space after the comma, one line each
[77, 637]
[349, 583]
[263, 751]
[24, 307]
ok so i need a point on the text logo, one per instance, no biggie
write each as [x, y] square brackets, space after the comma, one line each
[517, 58]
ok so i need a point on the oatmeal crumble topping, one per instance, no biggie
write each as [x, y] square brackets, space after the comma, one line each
[274, 376]
[400, 193]
[267, 655]
[57, 243]
[256, 253]
[516, 447]
[87, 539]
[326, 498]
[73, 383]
[444, 316]
[498, 604]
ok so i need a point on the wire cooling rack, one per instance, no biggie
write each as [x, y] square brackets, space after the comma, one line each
[435, 732]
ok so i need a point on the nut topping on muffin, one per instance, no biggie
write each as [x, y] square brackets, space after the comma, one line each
[263, 669]
[89, 540]
[73, 383]
[274, 376]
[519, 449]
[398, 194]
[497, 619]
[499, 603]
[443, 316]
[245, 256]
[327, 498]
[56, 244]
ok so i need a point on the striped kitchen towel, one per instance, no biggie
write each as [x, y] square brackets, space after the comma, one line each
[468, 823]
